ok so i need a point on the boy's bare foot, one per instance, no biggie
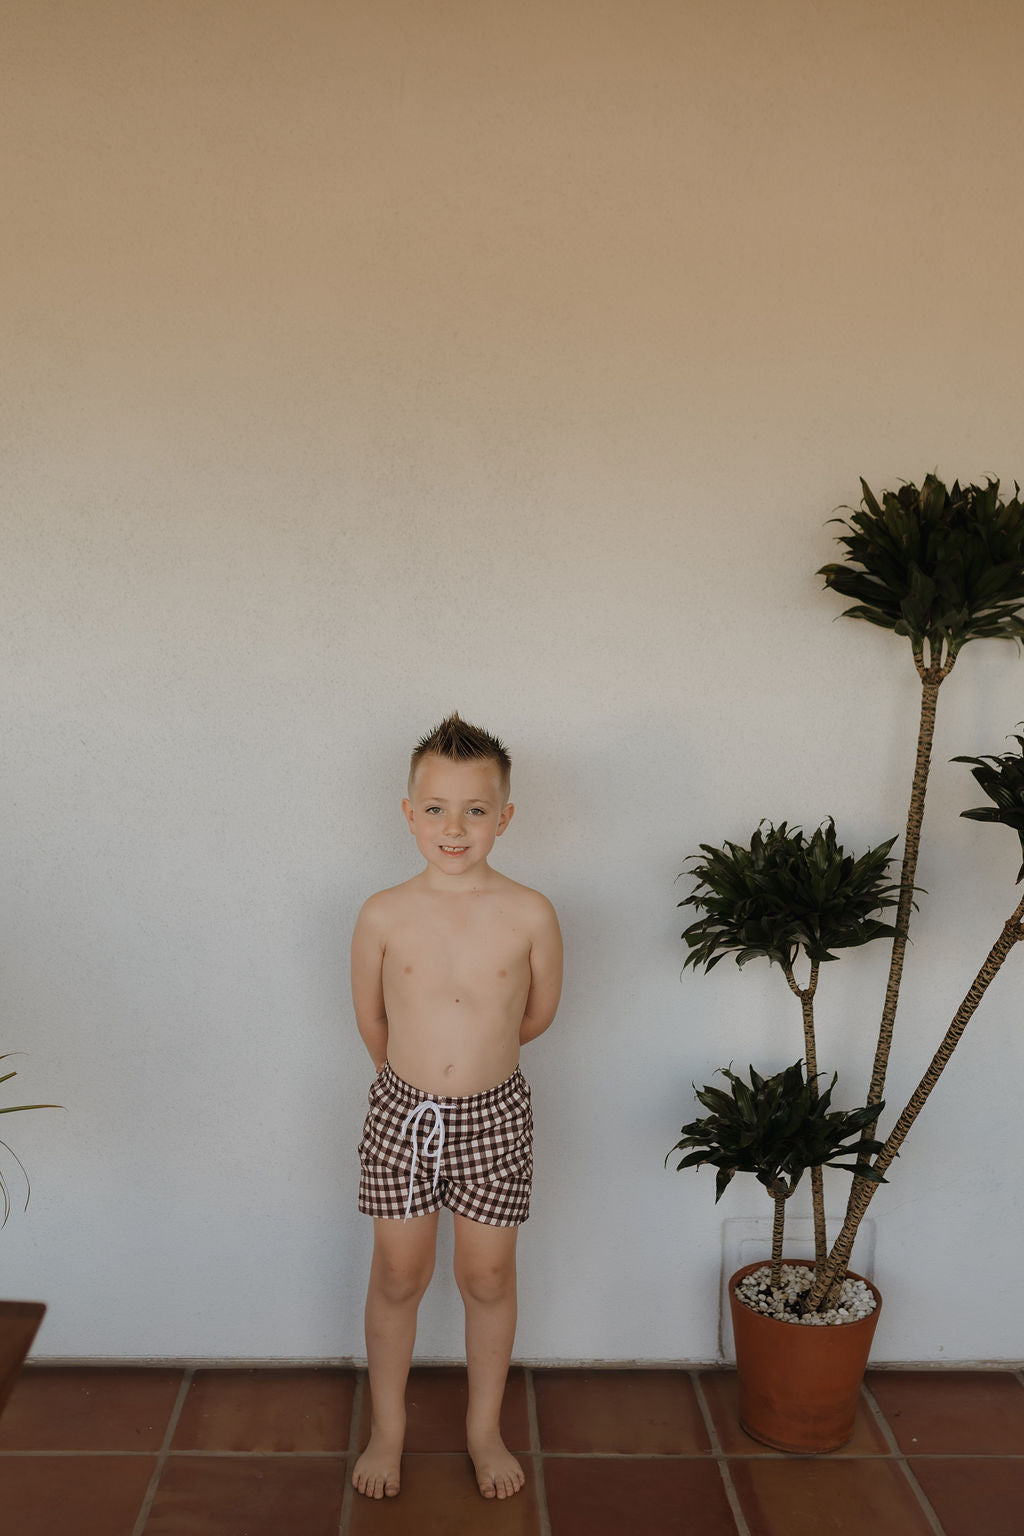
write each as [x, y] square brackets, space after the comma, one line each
[377, 1473]
[498, 1474]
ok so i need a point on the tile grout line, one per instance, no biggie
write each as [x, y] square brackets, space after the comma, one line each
[901, 1461]
[921, 1496]
[881, 1420]
[604, 1455]
[543, 1518]
[719, 1456]
[149, 1499]
[345, 1518]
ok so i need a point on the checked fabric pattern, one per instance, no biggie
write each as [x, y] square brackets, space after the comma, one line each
[486, 1159]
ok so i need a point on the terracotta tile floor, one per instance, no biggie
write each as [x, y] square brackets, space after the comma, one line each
[176, 1452]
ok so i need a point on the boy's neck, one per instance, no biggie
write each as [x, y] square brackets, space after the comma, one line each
[476, 879]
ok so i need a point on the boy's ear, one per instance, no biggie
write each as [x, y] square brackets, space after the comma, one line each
[505, 818]
[407, 813]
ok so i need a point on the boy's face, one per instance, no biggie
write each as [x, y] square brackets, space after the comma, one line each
[455, 811]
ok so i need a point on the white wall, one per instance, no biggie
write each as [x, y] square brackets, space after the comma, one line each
[363, 361]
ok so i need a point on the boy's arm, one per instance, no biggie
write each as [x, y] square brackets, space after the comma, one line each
[545, 975]
[367, 982]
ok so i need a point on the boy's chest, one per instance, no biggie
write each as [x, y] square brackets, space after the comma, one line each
[484, 946]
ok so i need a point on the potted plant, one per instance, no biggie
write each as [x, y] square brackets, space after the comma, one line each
[777, 1128]
[940, 567]
[19, 1320]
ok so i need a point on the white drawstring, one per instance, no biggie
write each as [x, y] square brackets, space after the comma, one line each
[436, 1133]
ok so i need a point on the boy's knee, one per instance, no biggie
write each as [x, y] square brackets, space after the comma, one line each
[397, 1282]
[486, 1282]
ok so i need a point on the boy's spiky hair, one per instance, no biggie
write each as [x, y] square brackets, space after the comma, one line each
[458, 741]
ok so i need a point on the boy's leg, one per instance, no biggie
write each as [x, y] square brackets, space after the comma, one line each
[403, 1261]
[485, 1269]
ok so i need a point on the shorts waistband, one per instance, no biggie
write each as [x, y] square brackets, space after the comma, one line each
[488, 1097]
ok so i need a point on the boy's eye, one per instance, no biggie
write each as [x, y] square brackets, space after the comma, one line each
[433, 810]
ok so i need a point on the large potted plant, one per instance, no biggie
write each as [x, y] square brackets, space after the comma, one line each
[941, 567]
[19, 1320]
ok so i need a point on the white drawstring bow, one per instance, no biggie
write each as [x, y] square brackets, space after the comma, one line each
[435, 1134]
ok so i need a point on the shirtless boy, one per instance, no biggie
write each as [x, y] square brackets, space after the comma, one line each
[451, 973]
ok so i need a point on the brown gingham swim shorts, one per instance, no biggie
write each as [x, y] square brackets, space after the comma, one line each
[472, 1154]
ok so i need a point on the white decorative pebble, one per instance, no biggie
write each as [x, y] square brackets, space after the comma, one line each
[856, 1300]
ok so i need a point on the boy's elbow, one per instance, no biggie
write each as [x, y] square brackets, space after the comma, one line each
[532, 1027]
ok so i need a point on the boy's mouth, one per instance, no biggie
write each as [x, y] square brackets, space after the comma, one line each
[451, 851]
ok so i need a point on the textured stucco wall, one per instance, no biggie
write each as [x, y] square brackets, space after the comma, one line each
[365, 360]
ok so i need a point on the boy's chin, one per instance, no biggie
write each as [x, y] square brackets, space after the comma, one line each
[447, 865]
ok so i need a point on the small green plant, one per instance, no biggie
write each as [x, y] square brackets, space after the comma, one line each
[775, 1128]
[14, 1109]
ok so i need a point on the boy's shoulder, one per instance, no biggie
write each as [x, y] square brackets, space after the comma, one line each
[382, 902]
[533, 904]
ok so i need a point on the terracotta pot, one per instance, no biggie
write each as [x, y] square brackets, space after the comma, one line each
[19, 1321]
[799, 1383]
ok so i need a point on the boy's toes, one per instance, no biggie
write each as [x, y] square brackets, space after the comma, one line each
[498, 1474]
[512, 1484]
[376, 1475]
[376, 1487]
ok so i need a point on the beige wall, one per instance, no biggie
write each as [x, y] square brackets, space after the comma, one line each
[366, 360]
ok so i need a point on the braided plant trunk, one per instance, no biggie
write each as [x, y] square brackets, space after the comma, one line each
[1013, 933]
[778, 1231]
[932, 678]
[806, 996]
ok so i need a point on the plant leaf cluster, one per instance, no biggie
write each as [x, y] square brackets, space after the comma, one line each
[1002, 778]
[14, 1109]
[783, 893]
[775, 1128]
[935, 564]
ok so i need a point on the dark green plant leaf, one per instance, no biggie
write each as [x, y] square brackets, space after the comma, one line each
[784, 893]
[1002, 779]
[942, 566]
[775, 1128]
